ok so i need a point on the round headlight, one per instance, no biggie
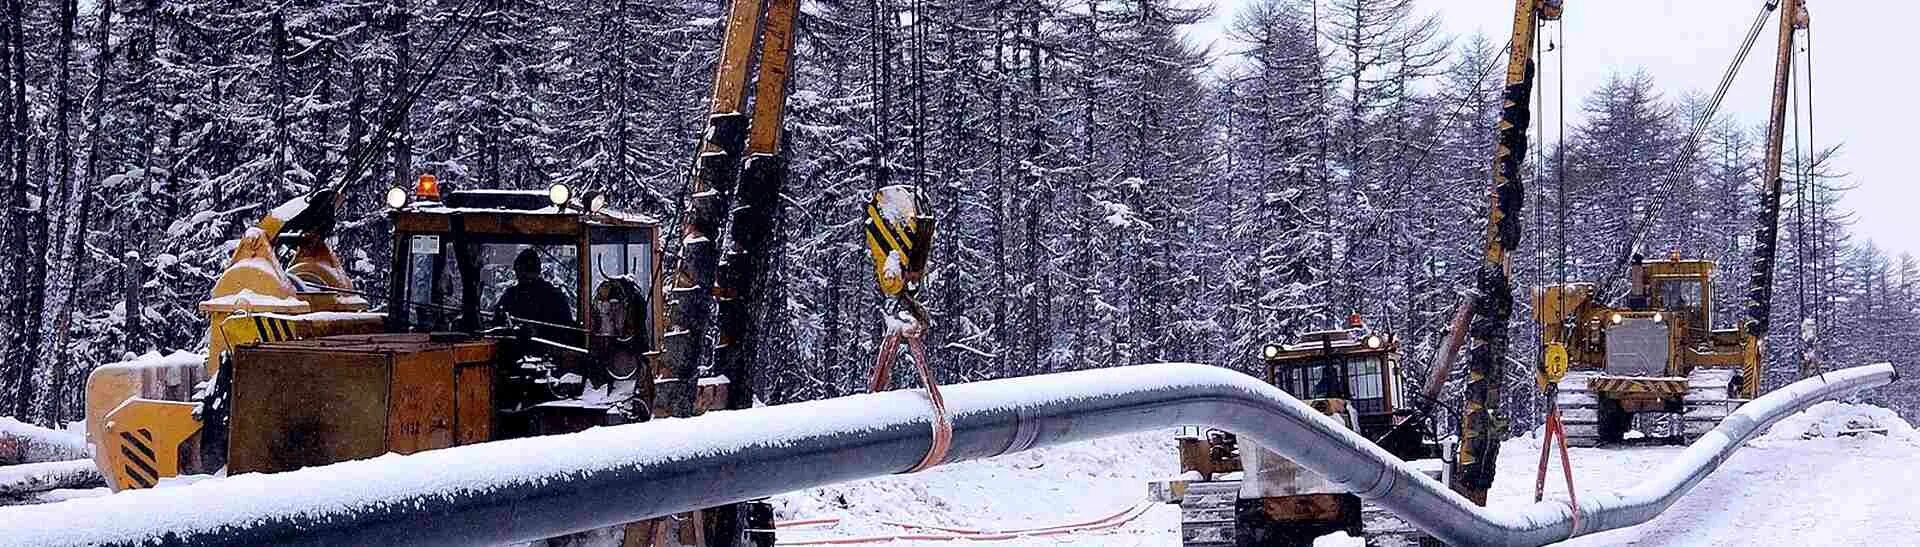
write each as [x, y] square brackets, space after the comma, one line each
[596, 202]
[1616, 318]
[1374, 342]
[559, 194]
[1270, 352]
[1659, 317]
[396, 197]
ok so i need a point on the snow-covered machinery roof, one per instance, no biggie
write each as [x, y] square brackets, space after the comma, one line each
[1334, 341]
[522, 202]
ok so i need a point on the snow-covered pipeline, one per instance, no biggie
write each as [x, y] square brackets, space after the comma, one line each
[542, 487]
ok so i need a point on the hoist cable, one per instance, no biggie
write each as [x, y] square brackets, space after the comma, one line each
[1811, 123]
[1540, 105]
[1637, 230]
[1560, 170]
[403, 105]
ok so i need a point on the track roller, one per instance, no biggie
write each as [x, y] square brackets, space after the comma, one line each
[1385, 529]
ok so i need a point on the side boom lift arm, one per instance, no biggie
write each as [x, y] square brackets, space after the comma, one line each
[1480, 429]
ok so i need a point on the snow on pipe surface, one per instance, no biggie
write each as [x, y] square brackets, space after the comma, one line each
[525, 489]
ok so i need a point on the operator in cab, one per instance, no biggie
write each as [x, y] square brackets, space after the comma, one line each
[532, 298]
[1331, 384]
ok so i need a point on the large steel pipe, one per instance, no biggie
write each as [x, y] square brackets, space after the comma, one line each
[526, 489]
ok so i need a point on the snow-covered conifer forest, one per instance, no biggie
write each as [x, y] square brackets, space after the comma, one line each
[1108, 192]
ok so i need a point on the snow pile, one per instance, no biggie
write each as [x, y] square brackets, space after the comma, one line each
[26, 443]
[252, 299]
[1119, 215]
[896, 204]
[1834, 418]
[894, 265]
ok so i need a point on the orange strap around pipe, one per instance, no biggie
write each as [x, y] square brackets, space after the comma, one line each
[942, 427]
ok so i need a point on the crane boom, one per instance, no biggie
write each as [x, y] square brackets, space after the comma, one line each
[1767, 228]
[1480, 428]
[744, 197]
[761, 181]
[700, 279]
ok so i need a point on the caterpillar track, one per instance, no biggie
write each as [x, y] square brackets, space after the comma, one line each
[1707, 401]
[1580, 409]
[1591, 421]
[1385, 529]
[1207, 514]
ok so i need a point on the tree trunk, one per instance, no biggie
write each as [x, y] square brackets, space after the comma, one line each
[64, 272]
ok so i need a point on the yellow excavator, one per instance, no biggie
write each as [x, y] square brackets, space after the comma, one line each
[506, 314]
[1659, 349]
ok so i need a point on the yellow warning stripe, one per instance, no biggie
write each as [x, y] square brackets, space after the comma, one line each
[894, 238]
[878, 238]
[273, 329]
[143, 459]
[1630, 385]
[901, 233]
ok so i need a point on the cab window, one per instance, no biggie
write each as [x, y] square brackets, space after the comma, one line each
[1681, 294]
[620, 295]
[559, 266]
[1364, 379]
[434, 281]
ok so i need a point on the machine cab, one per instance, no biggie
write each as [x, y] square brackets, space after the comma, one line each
[567, 283]
[1336, 365]
[1680, 287]
[1669, 309]
[1359, 370]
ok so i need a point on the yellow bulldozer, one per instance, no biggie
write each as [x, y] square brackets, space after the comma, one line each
[1660, 350]
[298, 373]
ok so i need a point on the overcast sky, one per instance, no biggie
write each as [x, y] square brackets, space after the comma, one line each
[1864, 77]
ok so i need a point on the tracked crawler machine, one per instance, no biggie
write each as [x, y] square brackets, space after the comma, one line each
[1656, 353]
[505, 314]
[1660, 349]
[1243, 495]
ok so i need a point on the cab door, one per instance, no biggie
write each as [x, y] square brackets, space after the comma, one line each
[622, 300]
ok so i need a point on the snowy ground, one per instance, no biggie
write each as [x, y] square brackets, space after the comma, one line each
[1780, 488]
[1042, 488]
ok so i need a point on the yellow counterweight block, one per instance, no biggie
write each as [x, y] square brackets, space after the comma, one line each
[147, 400]
[145, 440]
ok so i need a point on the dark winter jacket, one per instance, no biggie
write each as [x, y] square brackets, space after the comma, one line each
[536, 300]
